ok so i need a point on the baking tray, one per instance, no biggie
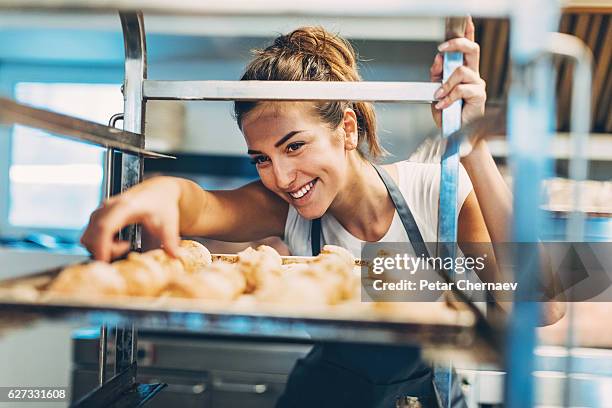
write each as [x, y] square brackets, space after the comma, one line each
[440, 330]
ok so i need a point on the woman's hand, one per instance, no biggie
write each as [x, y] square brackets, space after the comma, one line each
[153, 203]
[464, 83]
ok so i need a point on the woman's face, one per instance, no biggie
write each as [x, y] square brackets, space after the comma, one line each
[297, 155]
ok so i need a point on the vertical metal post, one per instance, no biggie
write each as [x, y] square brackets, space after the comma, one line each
[530, 116]
[580, 125]
[102, 352]
[108, 192]
[132, 167]
[447, 206]
[133, 105]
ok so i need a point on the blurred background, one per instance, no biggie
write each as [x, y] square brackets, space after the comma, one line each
[73, 63]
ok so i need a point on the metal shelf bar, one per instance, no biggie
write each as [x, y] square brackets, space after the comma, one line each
[317, 8]
[12, 112]
[420, 92]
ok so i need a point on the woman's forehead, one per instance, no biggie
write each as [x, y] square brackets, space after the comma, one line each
[271, 116]
[279, 110]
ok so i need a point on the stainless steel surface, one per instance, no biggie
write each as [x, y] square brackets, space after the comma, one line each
[580, 124]
[530, 101]
[109, 160]
[132, 166]
[574, 48]
[457, 334]
[239, 387]
[102, 354]
[421, 92]
[12, 112]
[338, 8]
[447, 205]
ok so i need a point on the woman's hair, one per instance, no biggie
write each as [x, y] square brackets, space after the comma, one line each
[314, 54]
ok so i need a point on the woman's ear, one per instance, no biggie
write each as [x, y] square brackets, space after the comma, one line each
[350, 127]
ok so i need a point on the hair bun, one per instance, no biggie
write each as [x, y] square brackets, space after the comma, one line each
[314, 54]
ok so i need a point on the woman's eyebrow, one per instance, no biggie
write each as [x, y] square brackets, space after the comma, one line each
[287, 137]
[280, 142]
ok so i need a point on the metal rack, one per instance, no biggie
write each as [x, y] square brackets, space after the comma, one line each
[530, 109]
[529, 114]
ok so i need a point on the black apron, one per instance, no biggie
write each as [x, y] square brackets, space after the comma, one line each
[360, 375]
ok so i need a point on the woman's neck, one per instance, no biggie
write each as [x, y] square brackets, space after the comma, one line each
[363, 206]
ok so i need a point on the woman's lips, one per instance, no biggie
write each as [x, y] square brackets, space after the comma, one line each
[304, 192]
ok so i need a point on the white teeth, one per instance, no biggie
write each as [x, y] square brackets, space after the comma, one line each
[301, 192]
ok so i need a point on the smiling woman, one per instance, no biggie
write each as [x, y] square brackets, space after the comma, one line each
[319, 185]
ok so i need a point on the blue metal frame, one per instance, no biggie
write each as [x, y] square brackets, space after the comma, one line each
[530, 114]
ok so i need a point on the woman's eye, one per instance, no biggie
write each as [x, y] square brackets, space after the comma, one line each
[259, 159]
[292, 147]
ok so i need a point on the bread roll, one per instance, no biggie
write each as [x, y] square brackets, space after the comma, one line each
[255, 265]
[296, 289]
[335, 266]
[171, 266]
[343, 253]
[94, 278]
[221, 281]
[145, 276]
[194, 255]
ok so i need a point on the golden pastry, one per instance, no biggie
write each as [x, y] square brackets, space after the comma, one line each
[343, 253]
[255, 265]
[221, 281]
[94, 278]
[145, 276]
[300, 289]
[172, 266]
[335, 266]
[194, 255]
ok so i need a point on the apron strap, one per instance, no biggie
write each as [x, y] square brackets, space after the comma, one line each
[401, 206]
[315, 236]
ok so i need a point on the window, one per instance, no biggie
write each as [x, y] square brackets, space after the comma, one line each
[55, 183]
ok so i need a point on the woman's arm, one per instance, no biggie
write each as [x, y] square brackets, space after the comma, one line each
[486, 216]
[170, 206]
[494, 196]
[248, 213]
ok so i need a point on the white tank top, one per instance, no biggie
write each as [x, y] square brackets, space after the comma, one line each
[419, 184]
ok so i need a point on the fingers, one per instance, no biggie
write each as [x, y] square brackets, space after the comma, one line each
[461, 75]
[119, 248]
[471, 93]
[470, 50]
[469, 29]
[104, 224]
[167, 231]
[435, 72]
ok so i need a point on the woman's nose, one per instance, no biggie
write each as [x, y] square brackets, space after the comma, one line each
[284, 174]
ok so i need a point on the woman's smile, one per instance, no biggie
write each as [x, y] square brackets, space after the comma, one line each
[303, 194]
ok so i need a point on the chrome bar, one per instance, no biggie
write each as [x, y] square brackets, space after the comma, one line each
[447, 204]
[530, 101]
[580, 125]
[337, 8]
[132, 168]
[102, 353]
[12, 112]
[421, 92]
